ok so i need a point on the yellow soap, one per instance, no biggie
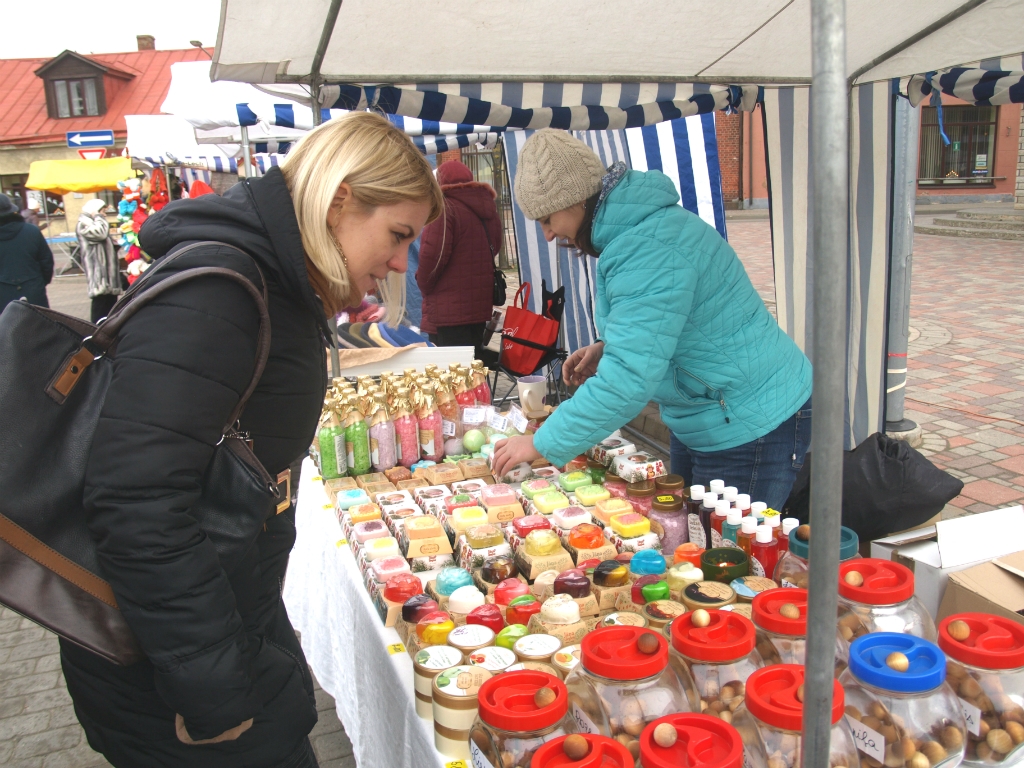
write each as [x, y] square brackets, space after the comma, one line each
[604, 510]
[422, 527]
[629, 525]
[589, 495]
[362, 513]
[464, 518]
[549, 501]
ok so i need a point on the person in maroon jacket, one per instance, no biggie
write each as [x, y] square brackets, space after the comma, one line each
[456, 270]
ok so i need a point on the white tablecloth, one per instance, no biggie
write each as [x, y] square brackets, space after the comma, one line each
[347, 645]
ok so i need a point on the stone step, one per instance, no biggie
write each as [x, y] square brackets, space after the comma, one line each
[1007, 223]
[983, 215]
[926, 227]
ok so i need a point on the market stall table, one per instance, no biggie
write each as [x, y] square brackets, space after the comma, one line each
[363, 665]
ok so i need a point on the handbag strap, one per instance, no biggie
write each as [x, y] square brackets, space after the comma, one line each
[138, 297]
[524, 291]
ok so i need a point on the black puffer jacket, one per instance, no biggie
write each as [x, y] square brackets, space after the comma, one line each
[219, 645]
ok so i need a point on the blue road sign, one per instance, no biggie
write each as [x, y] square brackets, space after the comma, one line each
[81, 139]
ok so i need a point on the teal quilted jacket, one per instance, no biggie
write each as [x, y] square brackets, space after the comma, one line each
[683, 327]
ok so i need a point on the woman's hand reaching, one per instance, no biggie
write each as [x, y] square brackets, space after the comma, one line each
[510, 453]
[582, 364]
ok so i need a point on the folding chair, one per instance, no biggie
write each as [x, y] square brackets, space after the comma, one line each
[551, 363]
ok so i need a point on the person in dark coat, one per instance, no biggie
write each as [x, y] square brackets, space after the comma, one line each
[225, 683]
[457, 252]
[26, 262]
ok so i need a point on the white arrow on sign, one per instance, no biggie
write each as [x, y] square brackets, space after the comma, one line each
[80, 139]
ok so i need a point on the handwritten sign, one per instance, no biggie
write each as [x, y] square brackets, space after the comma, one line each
[869, 741]
[396, 648]
[973, 717]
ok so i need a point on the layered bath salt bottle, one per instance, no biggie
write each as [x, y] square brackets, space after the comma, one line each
[692, 510]
[481, 388]
[383, 447]
[430, 426]
[464, 394]
[331, 439]
[357, 439]
[407, 438]
[764, 552]
[745, 538]
[722, 509]
[451, 414]
[789, 525]
[731, 528]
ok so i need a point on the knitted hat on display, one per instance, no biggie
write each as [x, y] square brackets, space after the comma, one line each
[555, 172]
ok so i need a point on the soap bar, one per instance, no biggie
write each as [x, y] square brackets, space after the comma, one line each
[560, 609]
[394, 498]
[548, 473]
[350, 498]
[573, 583]
[465, 518]
[604, 510]
[371, 529]
[362, 513]
[450, 579]
[370, 478]
[401, 587]
[638, 466]
[548, 501]
[423, 527]
[397, 516]
[523, 525]
[586, 536]
[373, 489]
[472, 487]
[418, 606]
[521, 609]
[508, 590]
[647, 562]
[434, 628]
[497, 569]
[517, 474]
[509, 635]
[385, 567]
[611, 573]
[375, 549]
[484, 536]
[532, 487]
[682, 575]
[460, 500]
[474, 468]
[630, 525]
[589, 495]
[637, 590]
[570, 481]
[656, 591]
[541, 543]
[608, 449]
[570, 517]
[432, 497]
[544, 580]
[497, 495]
[465, 599]
[487, 616]
[397, 474]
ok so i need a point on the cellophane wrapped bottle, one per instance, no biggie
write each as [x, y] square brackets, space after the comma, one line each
[383, 448]
[464, 394]
[451, 412]
[357, 439]
[407, 438]
[481, 388]
[430, 426]
[331, 439]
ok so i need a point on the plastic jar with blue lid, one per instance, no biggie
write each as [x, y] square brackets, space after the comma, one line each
[901, 710]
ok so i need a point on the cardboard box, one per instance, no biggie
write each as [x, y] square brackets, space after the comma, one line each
[951, 546]
[607, 597]
[996, 587]
[531, 567]
[504, 514]
[569, 634]
[606, 551]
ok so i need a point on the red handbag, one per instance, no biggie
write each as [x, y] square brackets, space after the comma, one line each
[526, 336]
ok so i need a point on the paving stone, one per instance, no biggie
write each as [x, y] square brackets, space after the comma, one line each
[80, 756]
[23, 725]
[46, 743]
[46, 646]
[30, 683]
[329, 747]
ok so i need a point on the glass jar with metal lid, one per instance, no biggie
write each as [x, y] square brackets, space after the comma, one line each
[623, 682]
[641, 495]
[518, 713]
[668, 520]
[770, 720]
[881, 594]
[716, 650]
[985, 666]
[672, 484]
[897, 701]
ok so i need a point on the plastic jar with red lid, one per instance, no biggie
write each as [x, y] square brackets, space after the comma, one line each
[602, 752]
[716, 659]
[623, 682]
[881, 595]
[510, 725]
[770, 719]
[985, 666]
[901, 707]
[694, 741]
[780, 616]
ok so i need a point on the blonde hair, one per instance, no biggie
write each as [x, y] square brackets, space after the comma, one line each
[382, 166]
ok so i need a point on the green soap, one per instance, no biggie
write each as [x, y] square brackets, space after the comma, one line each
[510, 634]
[656, 591]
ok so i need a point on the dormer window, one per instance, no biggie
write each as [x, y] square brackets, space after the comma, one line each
[75, 98]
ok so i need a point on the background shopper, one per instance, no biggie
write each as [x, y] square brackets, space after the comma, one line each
[99, 259]
[26, 262]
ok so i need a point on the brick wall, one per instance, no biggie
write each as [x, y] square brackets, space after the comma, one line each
[727, 130]
[443, 157]
[1019, 192]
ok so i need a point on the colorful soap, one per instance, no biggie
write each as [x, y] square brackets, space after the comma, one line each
[371, 529]
[533, 487]
[629, 525]
[418, 606]
[523, 525]
[375, 549]
[604, 510]
[484, 536]
[450, 579]
[560, 609]
[611, 573]
[508, 590]
[385, 567]
[509, 635]
[423, 527]
[362, 513]
[586, 536]
[465, 599]
[548, 501]
[460, 500]
[521, 608]
[541, 543]
[497, 569]
[589, 495]
[402, 587]
[573, 583]
[498, 495]
[434, 628]
[487, 616]
[570, 481]
[465, 518]
[350, 498]
[647, 562]
[570, 517]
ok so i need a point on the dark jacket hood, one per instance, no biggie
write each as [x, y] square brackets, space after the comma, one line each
[10, 226]
[475, 195]
[256, 215]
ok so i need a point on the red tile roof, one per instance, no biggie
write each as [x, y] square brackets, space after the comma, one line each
[23, 118]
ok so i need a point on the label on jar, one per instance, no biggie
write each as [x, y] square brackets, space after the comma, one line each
[461, 681]
[470, 635]
[448, 428]
[729, 543]
[972, 715]
[493, 658]
[374, 452]
[474, 415]
[518, 419]
[340, 454]
[537, 645]
[427, 442]
[498, 422]
[583, 723]
[696, 531]
[756, 569]
[477, 757]
[869, 741]
[716, 538]
[351, 454]
[438, 657]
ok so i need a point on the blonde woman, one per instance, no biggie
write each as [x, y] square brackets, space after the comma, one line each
[225, 682]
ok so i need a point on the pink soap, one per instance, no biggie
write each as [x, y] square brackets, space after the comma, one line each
[371, 529]
[387, 567]
[497, 495]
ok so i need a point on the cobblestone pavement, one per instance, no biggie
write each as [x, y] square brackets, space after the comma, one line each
[965, 383]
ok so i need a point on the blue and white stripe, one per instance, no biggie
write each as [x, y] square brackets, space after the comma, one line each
[983, 87]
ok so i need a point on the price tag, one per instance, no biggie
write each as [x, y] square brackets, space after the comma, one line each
[341, 542]
[478, 757]
[498, 422]
[869, 741]
[474, 415]
[328, 506]
[456, 764]
[448, 428]
[396, 648]
[316, 478]
[972, 715]
[583, 722]
[519, 421]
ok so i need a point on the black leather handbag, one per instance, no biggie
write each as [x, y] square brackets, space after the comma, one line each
[499, 291]
[54, 374]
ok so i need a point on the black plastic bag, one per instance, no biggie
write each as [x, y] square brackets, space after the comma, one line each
[552, 302]
[887, 487]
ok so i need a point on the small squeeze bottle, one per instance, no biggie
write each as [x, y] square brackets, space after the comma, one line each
[787, 528]
[745, 538]
[718, 521]
[764, 552]
[731, 527]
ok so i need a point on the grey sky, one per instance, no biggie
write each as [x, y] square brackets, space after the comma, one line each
[37, 30]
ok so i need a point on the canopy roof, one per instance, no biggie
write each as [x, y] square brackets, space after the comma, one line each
[579, 41]
[60, 177]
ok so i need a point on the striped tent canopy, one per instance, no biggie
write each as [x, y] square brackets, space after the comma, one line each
[984, 83]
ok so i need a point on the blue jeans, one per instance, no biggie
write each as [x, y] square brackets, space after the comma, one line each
[765, 468]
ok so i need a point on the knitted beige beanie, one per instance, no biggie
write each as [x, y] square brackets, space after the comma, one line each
[555, 172]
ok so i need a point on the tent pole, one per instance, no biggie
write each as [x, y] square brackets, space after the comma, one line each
[246, 152]
[829, 116]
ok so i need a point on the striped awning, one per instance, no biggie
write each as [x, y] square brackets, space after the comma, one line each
[1001, 82]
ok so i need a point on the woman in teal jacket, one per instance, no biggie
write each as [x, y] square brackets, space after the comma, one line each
[680, 325]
